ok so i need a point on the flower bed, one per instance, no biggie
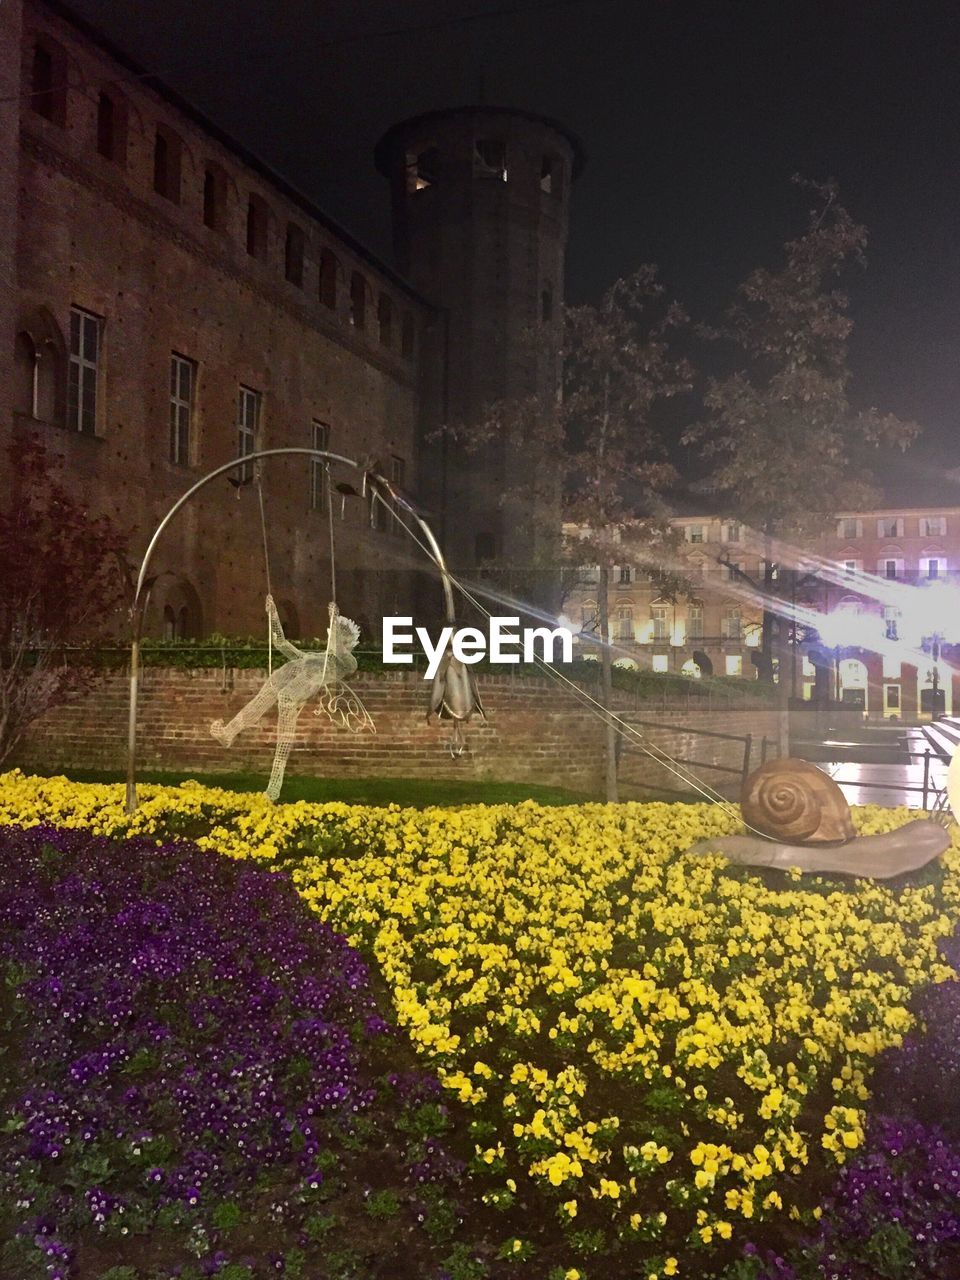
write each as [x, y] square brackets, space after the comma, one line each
[198, 1080]
[660, 1057]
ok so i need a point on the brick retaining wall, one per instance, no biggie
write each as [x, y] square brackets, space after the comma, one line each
[535, 733]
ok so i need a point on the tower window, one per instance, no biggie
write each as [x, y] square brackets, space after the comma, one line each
[385, 319]
[257, 222]
[358, 300]
[422, 168]
[249, 404]
[293, 255]
[111, 127]
[166, 164]
[48, 84]
[328, 279]
[551, 176]
[490, 158]
[214, 197]
[83, 373]
[407, 336]
[183, 377]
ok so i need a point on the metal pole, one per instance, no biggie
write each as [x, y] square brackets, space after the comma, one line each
[747, 746]
[926, 776]
[140, 595]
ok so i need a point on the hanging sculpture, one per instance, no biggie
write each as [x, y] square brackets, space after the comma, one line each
[305, 675]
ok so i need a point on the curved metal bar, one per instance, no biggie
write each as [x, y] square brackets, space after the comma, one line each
[140, 597]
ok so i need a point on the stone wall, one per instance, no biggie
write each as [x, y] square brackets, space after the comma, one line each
[536, 733]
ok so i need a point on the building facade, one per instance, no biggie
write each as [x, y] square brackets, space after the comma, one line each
[876, 599]
[170, 303]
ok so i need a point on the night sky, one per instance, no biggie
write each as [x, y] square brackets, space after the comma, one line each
[693, 117]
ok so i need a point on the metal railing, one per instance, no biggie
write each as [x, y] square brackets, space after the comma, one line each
[740, 771]
[926, 789]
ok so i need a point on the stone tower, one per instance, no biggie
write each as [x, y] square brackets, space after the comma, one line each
[480, 212]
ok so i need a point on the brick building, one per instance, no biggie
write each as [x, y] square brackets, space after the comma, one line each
[881, 588]
[168, 303]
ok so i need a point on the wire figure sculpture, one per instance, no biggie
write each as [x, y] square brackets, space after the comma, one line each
[306, 674]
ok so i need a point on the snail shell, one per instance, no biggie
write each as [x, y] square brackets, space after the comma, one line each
[793, 800]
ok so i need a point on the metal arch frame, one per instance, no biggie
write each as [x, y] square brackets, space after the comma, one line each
[142, 591]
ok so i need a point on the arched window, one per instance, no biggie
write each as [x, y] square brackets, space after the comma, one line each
[112, 126]
[181, 615]
[385, 318]
[358, 300]
[407, 337]
[328, 278]
[214, 197]
[293, 255]
[48, 81]
[41, 368]
[258, 219]
[167, 160]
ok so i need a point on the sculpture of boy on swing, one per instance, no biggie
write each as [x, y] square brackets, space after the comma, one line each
[305, 675]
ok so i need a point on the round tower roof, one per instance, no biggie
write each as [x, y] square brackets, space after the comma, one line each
[384, 149]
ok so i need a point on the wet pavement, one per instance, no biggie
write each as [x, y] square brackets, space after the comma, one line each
[890, 784]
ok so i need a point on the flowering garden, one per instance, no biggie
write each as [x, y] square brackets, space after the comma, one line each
[326, 1041]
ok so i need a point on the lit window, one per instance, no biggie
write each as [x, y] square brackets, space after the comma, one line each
[551, 176]
[732, 624]
[82, 379]
[182, 382]
[850, 567]
[423, 169]
[695, 533]
[661, 662]
[248, 426]
[694, 621]
[625, 623]
[660, 613]
[733, 664]
[319, 439]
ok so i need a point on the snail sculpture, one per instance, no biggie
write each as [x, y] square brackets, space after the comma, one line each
[805, 822]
